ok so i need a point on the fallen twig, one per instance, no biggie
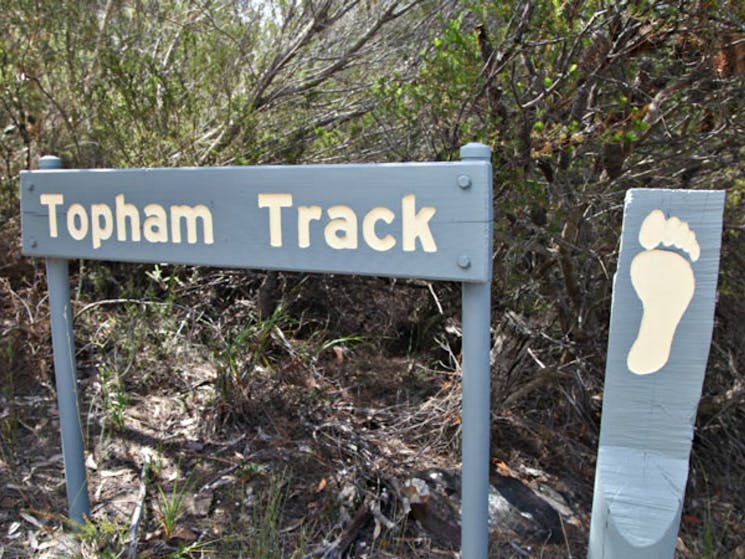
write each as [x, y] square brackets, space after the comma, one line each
[336, 549]
[134, 525]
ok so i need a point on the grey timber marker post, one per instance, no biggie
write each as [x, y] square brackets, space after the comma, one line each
[661, 323]
[476, 397]
[65, 375]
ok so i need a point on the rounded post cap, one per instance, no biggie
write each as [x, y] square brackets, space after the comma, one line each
[50, 162]
[475, 150]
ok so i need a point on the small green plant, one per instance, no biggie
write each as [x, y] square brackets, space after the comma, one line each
[192, 550]
[714, 531]
[344, 341]
[114, 398]
[103, 539]
[9, 355]
[169, 282]
[265, 533]
[8, 442]
[249, 470]
[170, 506]
[242, 353]
[266, 519]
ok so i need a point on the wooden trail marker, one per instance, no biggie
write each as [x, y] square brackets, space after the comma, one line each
[423, 220]
[660, 332]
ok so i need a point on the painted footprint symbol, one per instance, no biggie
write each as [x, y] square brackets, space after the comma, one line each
[664, 282]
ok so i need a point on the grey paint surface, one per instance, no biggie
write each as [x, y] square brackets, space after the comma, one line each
[476, 402]
[460, 227]
[647, 423]
[475, 420]
[65, 374]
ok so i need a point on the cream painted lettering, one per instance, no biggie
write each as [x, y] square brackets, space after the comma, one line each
[122, 220]
[340, 230]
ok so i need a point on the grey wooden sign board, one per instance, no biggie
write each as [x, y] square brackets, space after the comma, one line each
[412, 220]
[660, 331]
[422, 220]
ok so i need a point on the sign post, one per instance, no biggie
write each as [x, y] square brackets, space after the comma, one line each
[423, 220]
[660, 331]
[65, 374]
[476, 317]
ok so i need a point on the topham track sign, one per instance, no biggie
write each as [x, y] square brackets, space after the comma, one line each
[430, 221]
[423, 220]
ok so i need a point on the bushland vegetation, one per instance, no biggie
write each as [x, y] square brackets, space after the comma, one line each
[264, 414]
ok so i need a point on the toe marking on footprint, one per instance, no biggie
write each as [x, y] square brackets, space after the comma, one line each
[656, 231]
[664, 281]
